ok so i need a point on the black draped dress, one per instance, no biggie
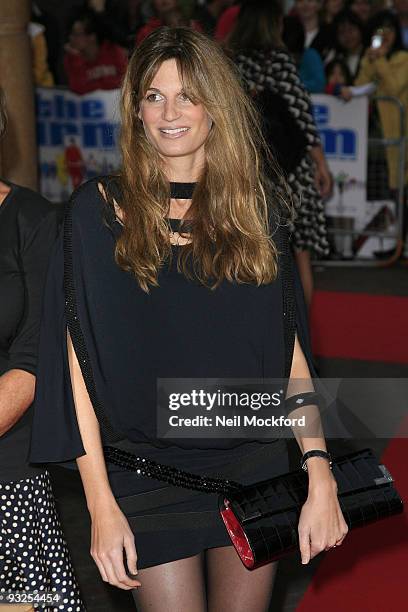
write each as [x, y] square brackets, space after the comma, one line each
[180, 329]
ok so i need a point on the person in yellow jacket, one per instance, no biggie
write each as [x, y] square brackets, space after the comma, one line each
[42, 74]
[387, 66]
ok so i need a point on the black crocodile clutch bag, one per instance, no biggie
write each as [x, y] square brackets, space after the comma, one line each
[262, 518]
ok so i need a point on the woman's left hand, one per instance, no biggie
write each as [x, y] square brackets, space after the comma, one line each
[321, 523]
[323, 180]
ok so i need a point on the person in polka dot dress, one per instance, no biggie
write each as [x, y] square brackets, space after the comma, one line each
[33, 553]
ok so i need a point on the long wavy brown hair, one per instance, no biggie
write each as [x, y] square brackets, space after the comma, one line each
[230, 208]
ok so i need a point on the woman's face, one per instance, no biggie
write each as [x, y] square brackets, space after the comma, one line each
[306, 9]
[362, 8]
[333, 7]
[78, 37]
[172, 123]
[349, 37]
[97, 5]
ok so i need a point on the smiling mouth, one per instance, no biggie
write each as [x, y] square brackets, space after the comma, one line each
[175, 132]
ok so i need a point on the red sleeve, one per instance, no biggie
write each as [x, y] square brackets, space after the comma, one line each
[121, 62]
[226, 23]
[113, 55]
[141, 34]
[76, 71]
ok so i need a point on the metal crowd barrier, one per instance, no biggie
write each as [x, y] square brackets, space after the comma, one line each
[378, 189]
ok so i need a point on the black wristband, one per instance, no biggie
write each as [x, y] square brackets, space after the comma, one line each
[315, 453]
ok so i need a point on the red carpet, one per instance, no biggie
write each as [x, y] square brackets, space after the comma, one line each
[368, 573]
[360, 326]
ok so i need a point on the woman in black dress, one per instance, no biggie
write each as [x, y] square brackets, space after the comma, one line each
[33, 553]
[171, 272]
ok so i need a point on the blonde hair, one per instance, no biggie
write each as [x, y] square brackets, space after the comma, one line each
[229, 206]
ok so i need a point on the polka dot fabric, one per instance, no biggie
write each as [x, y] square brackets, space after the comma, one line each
[33, 552]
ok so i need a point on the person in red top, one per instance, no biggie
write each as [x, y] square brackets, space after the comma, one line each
[90, 61]
[226, 22]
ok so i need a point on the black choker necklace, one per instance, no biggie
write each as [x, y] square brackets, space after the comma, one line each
[182, 191]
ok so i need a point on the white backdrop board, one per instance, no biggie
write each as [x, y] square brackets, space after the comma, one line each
[77, 138]
[343, 127]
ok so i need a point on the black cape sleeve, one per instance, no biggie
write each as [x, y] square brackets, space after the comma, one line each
[84, 248]
[55, 433]
[295, 321]
[296, 311]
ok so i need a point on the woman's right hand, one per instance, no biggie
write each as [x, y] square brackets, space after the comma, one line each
[111, 535]
[345, 94]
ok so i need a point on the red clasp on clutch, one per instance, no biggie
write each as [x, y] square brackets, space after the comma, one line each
[237, 535]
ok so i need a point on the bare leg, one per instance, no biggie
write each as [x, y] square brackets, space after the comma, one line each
[177, 586]
[306, 274]
[230, 586]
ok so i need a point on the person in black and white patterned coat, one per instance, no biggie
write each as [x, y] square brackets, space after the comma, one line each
[265, 64]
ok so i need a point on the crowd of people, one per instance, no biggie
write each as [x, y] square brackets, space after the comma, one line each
[328, 39]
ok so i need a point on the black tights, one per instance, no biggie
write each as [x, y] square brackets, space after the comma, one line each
[213, 581]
